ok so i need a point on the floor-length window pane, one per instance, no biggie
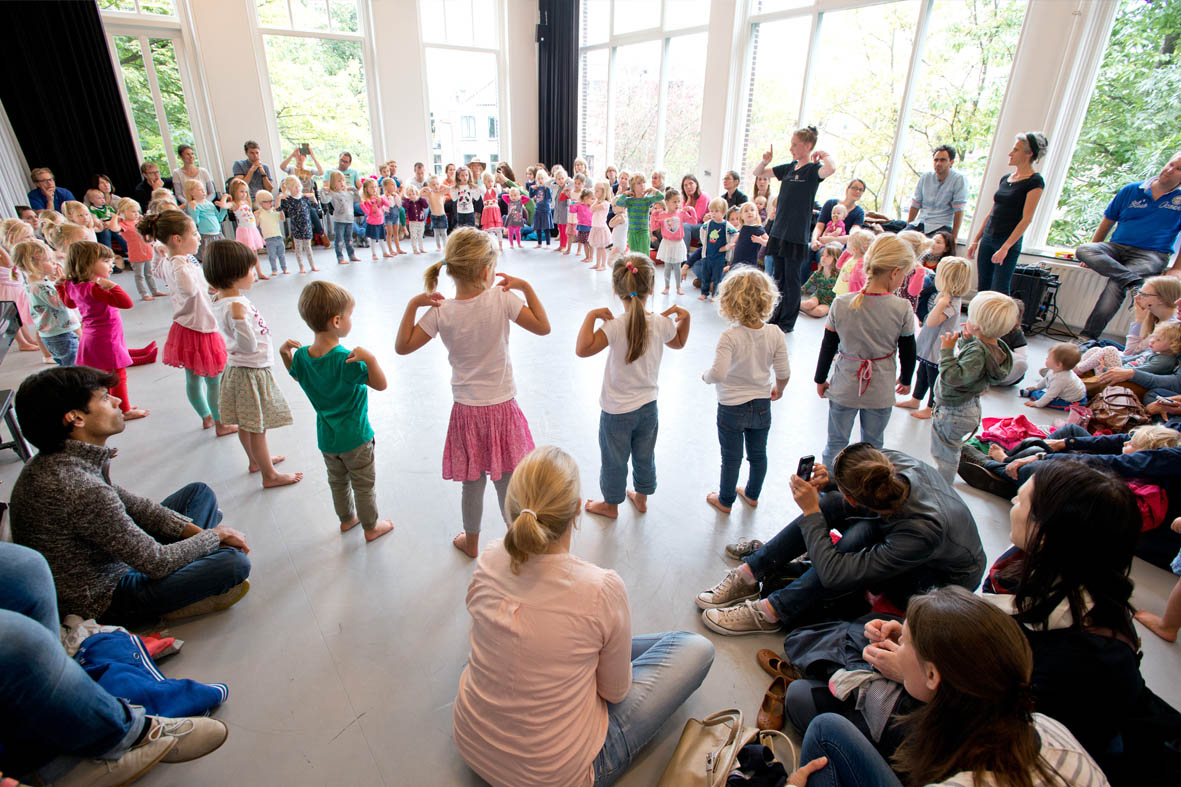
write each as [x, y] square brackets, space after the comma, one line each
[778, 56]
[637, 89]
[856, 92]
[461, 85]
[686, 84]
[592, 109]
[962, 79]
[319, 94]
[139, 93]
[632, 15]
[172, 92]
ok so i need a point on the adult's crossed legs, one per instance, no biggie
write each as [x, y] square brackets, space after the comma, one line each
[1124, 266]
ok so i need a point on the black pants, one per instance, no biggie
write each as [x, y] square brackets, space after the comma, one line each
[790, 262]
[924, 381]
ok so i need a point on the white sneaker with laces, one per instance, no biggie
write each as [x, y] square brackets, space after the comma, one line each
[195, 736]
[137, 761]
[745, 618]
[730, 591]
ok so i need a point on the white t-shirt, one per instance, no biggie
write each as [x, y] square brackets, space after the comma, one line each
[189, 293]
[743, 362]
[475, 332]
[630, 386]
[248, 341]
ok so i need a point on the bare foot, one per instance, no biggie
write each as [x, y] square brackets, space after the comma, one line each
[638, 500]
[460, 542]
[28, 348]
[135, 413]
[703, 297]
[664, 291]
[750, 501]
[680, 291]
[263, 277]
[207, 422]
[274, 461]
[222, 430]
[147, 298]
[282, 479]
[922, 415]
[712, 499]
[383, 254]
[315, 269]
[288, 273]
[382, 527]
[996, 453]
[1154, 624]
[349, 525]
[342, 262]
[909, 404]
[354, 259]
[609, 510]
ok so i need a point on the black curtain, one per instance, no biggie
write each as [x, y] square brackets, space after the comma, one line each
[557, 82]
[61, 95]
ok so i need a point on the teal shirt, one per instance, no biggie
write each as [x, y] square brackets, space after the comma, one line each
[207, 216]
[338, 392]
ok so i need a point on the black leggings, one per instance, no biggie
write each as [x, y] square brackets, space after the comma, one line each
[924, 381]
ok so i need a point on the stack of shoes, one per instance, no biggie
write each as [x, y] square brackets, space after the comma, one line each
[771, 712]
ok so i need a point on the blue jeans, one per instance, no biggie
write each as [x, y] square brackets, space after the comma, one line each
[949, 427]
[840, 426]
[620, 436]
[1123, 266]
[990, 276]
[666, 669]
[858, 531]
[342, 235]
[711, 274]
[140, 599]
[53, 711]
[63, 347]
[852, 759]
[748, 422]
[276, 253]
[691, 231]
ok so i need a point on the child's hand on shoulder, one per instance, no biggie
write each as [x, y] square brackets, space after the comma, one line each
[362, 355]
[106, 284]
[677, 313]
[603, 314]
[237, 310]
[1176, 526]
[289, 346]
[427, 299]
[947, 341]
[511, 282]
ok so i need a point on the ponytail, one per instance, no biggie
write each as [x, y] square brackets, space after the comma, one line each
[543, 499]
[147, 226]
[431, 277]
[633, 277]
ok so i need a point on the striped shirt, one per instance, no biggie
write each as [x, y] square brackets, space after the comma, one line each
[637, 210]
[1060, 751]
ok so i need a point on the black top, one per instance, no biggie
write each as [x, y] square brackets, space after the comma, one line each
[143, 192]
[793, 209]
[737, 198]
[746, 251]
[1008, 204]
[856, 216]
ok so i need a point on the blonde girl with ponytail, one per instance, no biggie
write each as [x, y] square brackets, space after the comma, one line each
[487, 434]
[556, 689]
[865, 331]
[629, 421]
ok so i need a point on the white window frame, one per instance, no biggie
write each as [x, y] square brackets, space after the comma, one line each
[368, 60]
[611, 45]
[503, 141]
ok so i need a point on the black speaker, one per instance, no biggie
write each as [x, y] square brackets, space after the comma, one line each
[1035, 287]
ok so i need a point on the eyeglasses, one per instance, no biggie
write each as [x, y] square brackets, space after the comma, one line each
[1145, 294]
[44, 180]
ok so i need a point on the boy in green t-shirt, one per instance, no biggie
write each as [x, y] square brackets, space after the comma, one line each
[335, 381]
[638, 204]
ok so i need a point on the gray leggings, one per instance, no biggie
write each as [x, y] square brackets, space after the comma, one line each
[146, 284]
[472, 500]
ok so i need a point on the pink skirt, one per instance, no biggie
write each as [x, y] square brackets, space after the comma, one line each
[490, 439]
[203, 354]
[250, 237]
[600, 237]
[490, 218]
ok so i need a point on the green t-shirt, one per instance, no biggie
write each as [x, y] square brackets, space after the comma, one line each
[337, 390]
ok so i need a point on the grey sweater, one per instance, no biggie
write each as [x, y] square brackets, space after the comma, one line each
[92, 532]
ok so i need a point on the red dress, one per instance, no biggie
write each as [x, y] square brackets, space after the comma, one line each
[490, 218]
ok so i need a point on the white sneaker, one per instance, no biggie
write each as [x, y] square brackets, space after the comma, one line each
[195, 736]
[746, 618]
[137, 761]
[733, 589]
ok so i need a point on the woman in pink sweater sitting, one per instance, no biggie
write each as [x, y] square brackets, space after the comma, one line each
[556, 691]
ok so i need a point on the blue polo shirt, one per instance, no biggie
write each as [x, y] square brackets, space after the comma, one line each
[37, 199]
[1144, 222]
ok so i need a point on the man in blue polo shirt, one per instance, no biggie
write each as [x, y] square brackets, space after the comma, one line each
[46, 194]
[1147, 220]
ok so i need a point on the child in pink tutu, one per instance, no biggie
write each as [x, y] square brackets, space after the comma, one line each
[490, 219]
[89, 289]
[247, 233]
[194, 343]
[488, 433]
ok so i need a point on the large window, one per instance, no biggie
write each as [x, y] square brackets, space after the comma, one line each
[464, 72]
[778, 55]
[316, 68]
[641, 84]
[1133, 122]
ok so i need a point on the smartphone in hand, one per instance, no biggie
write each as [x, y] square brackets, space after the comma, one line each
[305, 148]
[804, 469]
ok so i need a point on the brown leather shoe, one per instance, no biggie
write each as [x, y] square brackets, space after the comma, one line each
[776, 667]
[771, 711]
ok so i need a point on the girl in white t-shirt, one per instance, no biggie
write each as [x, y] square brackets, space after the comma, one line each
[249, 398]
[488, 433]
[747, 354]
[629, 421]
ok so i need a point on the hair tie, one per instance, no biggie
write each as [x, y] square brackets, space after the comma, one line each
[528, 511]
[631, 295]
[631, 267]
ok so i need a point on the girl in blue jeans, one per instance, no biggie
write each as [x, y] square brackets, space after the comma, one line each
[971, 666]
[629, 422]
[748, 352]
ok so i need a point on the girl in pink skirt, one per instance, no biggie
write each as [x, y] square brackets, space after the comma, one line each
[488, 433]
[194, 342]
[247, 233]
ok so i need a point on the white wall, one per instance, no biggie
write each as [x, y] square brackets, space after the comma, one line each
[521, 49]
[401, 81]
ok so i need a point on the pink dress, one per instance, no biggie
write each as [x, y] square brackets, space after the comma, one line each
[102, 345]
[12, 288]
[490, 218]
[247, 232]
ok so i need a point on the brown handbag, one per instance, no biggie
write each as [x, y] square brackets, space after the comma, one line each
[1117, 409]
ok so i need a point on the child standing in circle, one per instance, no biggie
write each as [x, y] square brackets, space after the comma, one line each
[139, 253]
[193, 342]
[374, 208]
[488, 433]
[299, 219]
[953, 279]
[514, 217]
[541, 195]
[490, 219]
[864, 332]
[672, 219]
[415, 206]
[247, 233]
[748, 353]
[600, 236]
[249, 399]
[629, 421]
[56, 325]
[638, 202]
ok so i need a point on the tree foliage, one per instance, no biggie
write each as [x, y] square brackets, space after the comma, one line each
[1133, 122]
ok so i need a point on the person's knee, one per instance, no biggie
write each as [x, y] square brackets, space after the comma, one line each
[234, 565]
[29, 569]
[697, 649]
[26, 648]
[800, 707]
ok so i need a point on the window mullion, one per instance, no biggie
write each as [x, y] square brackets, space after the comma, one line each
[145, 46]
[916, 62]
[662, 104]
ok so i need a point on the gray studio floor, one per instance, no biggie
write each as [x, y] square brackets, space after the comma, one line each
[342, 662]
